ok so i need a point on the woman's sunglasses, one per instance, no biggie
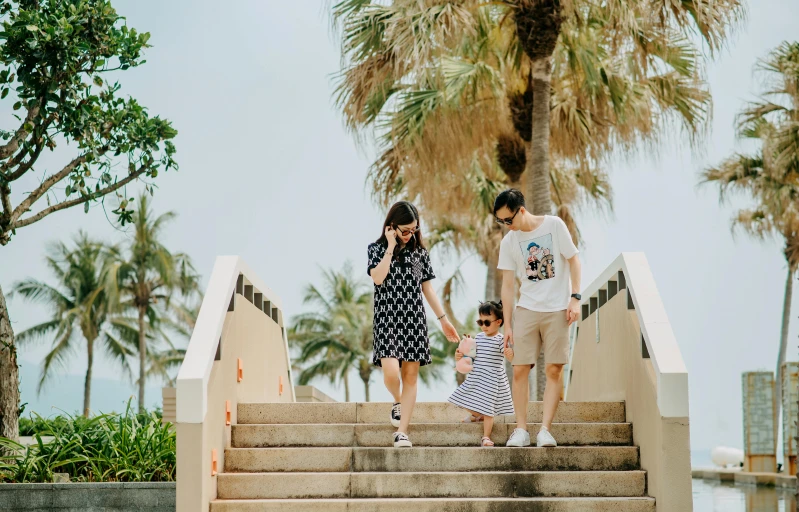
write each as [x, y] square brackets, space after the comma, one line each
[509, 220]
[487, 323]
[406, 232]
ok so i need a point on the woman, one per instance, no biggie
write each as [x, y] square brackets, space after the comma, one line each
[400, 267]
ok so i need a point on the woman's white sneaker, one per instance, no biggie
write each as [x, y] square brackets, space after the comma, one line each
[544, 439]
[519, 438]
[395, 415]
[401, 440]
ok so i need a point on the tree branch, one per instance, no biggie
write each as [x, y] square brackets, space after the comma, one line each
[68, 204]
[8, 149]
[25, 166]
[34, 196]
[5, 199]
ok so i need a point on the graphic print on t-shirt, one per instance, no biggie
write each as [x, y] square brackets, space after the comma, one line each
[537, 253]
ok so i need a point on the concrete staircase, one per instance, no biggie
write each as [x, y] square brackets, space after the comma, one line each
[338, 456]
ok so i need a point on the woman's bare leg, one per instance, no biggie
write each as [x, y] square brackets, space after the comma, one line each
[391, 377]
[410, 376]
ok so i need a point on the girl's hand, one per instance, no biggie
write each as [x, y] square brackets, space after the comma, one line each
[458, 355]
[449, 330]
[391, 236]
[509, 353]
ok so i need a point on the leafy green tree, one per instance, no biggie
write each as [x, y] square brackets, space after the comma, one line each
[141, 278]
[78, 311]
[53, 57]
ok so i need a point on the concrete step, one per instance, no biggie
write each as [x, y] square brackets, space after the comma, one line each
[423, 434]
[425, 412]
[562, 458]
[441, 505]
[495, 484]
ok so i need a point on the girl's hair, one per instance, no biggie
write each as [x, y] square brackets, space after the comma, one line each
[492, 308]
[402, 213]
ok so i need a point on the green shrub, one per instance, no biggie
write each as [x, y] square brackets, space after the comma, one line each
[127, 447]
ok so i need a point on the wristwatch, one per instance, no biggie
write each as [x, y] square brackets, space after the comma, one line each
[577, 296]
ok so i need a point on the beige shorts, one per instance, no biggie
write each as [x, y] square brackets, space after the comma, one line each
[531, 329]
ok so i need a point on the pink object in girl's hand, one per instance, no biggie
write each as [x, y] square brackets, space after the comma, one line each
[468, 348]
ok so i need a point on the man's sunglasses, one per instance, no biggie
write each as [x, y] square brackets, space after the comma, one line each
[509, 220]
[487, 323]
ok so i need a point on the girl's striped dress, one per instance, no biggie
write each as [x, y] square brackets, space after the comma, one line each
[486, 390]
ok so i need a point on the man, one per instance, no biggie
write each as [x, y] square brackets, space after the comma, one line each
[549, 302]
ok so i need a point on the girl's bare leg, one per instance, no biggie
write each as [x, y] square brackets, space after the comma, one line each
[391, 377]
[410, 376]
[488, 425]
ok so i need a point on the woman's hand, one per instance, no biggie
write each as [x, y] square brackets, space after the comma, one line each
[391, 236]
[449, 330]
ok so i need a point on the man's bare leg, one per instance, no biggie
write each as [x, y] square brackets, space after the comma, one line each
[521, 393]
[551, 393]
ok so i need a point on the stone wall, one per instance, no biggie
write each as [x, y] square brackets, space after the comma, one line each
[790, 395]
[759, 422]
[84, 497]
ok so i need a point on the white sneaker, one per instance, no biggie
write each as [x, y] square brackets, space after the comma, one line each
[544, 439]
[395, 415]
[401, 440]
[519, 438]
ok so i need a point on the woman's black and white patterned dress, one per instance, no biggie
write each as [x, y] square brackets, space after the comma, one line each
[486, 390]
[400, 323]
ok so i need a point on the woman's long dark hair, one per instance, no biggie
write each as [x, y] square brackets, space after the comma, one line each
[402, 213]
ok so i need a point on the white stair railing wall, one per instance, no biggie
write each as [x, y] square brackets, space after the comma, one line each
[238, 352]
[625, 349]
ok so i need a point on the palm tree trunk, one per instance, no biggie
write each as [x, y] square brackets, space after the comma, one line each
[346, 380]
[366, 390]
[537, 175]
[492, 275]
[786, 319]
[537, 169]
[9, 376]
[87, 386]
[142, 357]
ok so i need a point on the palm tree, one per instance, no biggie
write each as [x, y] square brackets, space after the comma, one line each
[336, 337]
[771, 175]
[78, 308]
[142, 276]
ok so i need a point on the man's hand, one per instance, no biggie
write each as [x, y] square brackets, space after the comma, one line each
[509, 353]
[508, 336]
[573, 311]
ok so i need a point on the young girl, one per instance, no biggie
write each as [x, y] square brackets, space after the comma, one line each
[485, 393]
[400, 268]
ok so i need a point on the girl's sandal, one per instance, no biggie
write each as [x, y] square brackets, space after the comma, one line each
[472, 419]
[486, 442]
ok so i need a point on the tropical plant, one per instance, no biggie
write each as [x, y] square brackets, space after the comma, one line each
[448, 87]
[336, 337]
[78, 311]
[125, 447]
[53, 57]
[770, 176]
[141, 278]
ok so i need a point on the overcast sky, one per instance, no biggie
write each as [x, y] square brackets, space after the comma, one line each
[268, 173]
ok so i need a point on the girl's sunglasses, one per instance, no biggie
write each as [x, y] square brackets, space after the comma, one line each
[487, 323]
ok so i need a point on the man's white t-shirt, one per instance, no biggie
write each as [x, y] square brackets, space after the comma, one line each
[539, 259]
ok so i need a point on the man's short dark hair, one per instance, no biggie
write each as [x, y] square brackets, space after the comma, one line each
[512, 198]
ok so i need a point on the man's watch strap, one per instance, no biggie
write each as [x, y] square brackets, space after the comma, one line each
[577, 296]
